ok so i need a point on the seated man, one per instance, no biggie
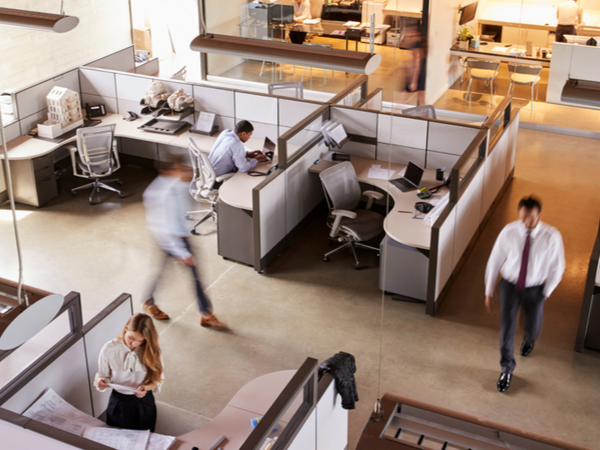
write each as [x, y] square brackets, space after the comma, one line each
[229, 154]
[301, 13]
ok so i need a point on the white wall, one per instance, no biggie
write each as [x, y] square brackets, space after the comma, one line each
[29, 55]
[442, 70]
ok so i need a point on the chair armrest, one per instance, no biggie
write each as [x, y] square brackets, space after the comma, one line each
[372, 196]
[72, 150]
[338, 214]
[224, 177]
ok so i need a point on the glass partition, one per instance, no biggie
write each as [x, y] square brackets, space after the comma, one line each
[467, 165]
[292, 144]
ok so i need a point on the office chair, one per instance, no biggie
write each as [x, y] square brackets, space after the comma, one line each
[283, 85]
[95, 157]
[348, 224]
[202, 186]
[427, 111]
[482, 70]
[524, 76]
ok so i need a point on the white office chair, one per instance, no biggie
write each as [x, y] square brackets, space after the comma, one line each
[202, 186]
[314, 44]
[348, 224]
[484, 71]
[286, 86]
[525, 76]
[95, 157]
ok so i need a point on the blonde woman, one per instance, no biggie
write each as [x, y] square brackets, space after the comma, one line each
[132, 360]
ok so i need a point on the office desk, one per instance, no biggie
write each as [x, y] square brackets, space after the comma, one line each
[486, 52]
[252, 401]
[399, 226]
[406, 245]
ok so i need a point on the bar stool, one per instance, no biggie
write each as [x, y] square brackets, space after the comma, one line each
[525, 76]
[484, 71]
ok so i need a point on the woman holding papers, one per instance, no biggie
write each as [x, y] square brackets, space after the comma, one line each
[132, 366]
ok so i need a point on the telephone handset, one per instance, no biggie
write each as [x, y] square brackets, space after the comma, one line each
[95, 110]
[256, 173]
[272, 169]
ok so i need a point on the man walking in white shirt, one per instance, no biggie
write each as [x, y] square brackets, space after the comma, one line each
[569, 16]
[530, 257]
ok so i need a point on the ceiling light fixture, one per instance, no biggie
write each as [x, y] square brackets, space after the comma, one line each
[59, 23]
[283, 52]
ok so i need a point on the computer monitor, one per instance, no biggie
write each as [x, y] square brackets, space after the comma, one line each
[282, 13]
[467, 13]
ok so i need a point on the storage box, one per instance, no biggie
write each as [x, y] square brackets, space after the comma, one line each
[142, 39]
[54, 130]
[393, 37]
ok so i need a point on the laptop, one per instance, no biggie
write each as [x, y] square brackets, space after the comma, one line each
[268, 149]
[411, 179]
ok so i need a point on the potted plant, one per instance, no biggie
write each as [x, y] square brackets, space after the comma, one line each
[464, 36]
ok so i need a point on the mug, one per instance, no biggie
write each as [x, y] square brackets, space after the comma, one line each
[544, 53]
[439, 174]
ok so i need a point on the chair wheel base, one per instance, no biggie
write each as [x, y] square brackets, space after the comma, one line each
[356, 266]
[73, 193]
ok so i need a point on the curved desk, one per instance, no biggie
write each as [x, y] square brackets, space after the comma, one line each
[399, 226]
[251, 401]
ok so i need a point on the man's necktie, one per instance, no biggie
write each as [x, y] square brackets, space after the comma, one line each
[524, 260]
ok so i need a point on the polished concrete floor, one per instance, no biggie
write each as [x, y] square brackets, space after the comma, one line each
[303, 307]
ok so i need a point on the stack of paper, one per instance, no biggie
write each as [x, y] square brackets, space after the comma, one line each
[351, 24]
[311, 21]
[378, 173]
[52, 410]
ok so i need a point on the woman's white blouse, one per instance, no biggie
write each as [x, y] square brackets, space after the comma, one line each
[119, 365]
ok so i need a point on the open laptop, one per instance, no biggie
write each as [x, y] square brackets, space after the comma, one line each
[411, 179]
[268, 149]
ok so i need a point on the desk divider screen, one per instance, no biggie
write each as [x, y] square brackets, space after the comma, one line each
[122, 60]
[353, 94]
[374, 100]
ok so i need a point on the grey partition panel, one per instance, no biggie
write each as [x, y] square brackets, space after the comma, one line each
[132, 87]
[219, 101]
[26, 124]
[356, 121]
[468, 214]
[254, 107]
[262, 130]
[172, 86]
[291, 112]
[400, 155]
[107, 329]
[33, 99]
[224, 123]
[123, 106]
[110, 103]
[437, 160]
[150, 67]
[67, 376]
[446, 138]
[402, 130]
[98, 82]
[271, 214]
[11, 131]
[122, 60]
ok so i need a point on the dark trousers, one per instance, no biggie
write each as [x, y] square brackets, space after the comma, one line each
[561, 30]
[297, 37]
[130, 412]
[532, 299]
[204, 303]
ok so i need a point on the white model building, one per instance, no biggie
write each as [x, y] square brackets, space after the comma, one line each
[64, 112]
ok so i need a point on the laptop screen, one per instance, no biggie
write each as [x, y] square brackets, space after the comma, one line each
[413, 173]
[268, 146]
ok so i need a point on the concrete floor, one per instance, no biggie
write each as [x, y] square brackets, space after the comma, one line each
[304, 307]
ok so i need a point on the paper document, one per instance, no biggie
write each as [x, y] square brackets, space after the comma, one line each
[378, 173]
[120, 439]
[205, 122]
[351, 24]
[500, 49]
[160, 442]
[52, 410]
[311, 21]
[120, 387]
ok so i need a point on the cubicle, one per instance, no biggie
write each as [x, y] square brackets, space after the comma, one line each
[307, 411]
[588, 331]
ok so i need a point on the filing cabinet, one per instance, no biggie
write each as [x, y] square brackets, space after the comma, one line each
[34, 180]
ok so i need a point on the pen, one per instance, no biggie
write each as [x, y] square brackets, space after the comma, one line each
[443, 169]
[422, 189]
[408, 212]
[318, 161]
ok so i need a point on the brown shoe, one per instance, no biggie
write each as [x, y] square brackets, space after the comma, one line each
[212, 322]
[154, 311]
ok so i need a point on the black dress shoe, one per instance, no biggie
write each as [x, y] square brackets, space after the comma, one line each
[526, 348]
[504, 382]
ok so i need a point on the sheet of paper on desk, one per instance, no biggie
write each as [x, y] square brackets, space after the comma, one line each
[500, 49]
[52, 410]
[160, 442]
[378, 173]
[119, 438]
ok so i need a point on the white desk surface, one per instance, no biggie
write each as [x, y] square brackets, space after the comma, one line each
[399, 226]
[237, 191]
[486, 52]
[252, 401]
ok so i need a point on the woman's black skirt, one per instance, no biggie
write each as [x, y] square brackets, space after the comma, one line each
[128, 411]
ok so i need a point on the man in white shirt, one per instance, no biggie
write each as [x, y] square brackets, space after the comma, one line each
[301, 13]
[229, 154]
[569, 16]
[529, 255]
[166, 200]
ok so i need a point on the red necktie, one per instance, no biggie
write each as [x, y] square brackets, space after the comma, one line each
[524, 260]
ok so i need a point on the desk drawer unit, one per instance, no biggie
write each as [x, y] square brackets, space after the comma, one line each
[406, 269]
[34, 180]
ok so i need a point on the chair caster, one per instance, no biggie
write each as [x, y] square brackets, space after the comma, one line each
[92, 202]
[73, 193]
[356, 266]
[326, 259]
[187, 217]
[120, 195]
[119, 183]
[194, 232]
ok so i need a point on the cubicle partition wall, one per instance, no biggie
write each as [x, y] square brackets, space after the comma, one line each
[478, 181]
[588, 331]
[122, 60]
[353, 95]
